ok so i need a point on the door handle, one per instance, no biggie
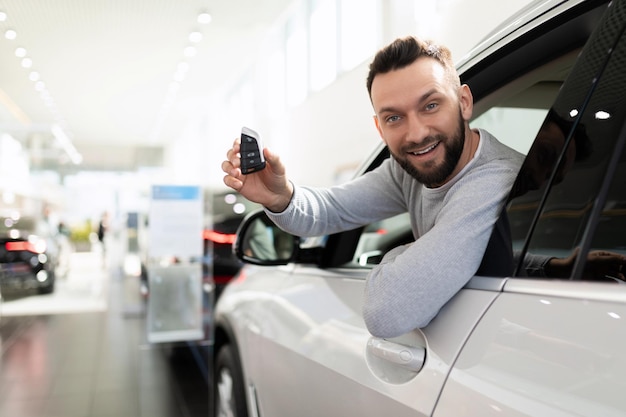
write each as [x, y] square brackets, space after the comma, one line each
[409, 357]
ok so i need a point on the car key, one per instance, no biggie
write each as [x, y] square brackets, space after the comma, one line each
[251, 151]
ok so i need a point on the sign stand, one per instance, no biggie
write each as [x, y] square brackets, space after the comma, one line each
[174, 264]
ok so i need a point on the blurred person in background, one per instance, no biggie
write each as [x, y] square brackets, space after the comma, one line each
[103, 228]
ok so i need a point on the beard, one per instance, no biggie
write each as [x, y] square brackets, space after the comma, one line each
[436, 175]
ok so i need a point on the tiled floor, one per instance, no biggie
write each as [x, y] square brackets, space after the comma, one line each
[94, 362]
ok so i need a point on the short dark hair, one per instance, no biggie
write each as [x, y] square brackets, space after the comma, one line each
[403, 52]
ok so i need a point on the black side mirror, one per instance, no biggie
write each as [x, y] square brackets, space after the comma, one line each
[259, 241]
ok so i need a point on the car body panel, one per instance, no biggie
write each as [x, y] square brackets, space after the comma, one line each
[554, 349]
[529, 17]
[306, 321]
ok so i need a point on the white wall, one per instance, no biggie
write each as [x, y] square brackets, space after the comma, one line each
[333, 130]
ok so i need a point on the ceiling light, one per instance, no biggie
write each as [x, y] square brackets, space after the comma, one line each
[181, 71]
[27, 62]
[190, 51]
[3, 16]
[174, 87]
[45, 95]
[239, 208]
[10, 34]
[182, 67]
[48, 101]
[204, 18]
[20, 52]
[33, 76]
[573, 113]
[195, 37]
[179, 77]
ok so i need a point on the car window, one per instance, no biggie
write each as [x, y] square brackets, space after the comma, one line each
[513, 126]
[380, 237]
[610, 232]
[565, 170]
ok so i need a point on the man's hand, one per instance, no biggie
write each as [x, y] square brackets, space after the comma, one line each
[268, 187]
[599, 265]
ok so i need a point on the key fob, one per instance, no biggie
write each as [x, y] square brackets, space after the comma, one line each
[251, 151]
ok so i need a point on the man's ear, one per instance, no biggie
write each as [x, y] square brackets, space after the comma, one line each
[380, 132]
[466, 101]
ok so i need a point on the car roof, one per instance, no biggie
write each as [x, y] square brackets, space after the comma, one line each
[527, 18]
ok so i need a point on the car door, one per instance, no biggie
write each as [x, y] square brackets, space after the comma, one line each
[314, 356]
[552, 343]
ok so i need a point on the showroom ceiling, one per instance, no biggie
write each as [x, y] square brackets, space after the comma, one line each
[99, 74]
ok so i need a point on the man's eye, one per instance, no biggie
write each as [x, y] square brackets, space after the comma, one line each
[431, 106]
[392, 119]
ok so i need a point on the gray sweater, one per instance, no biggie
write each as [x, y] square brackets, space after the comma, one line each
[452, 225]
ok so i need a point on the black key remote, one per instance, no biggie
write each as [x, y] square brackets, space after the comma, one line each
[251, 151]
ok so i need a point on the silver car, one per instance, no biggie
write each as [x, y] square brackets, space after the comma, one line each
[289, 336]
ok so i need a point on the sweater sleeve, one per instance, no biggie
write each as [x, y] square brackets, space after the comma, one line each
[414, 281]
[534, 265]
[320, 211]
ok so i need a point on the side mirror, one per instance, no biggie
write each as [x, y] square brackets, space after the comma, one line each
[259, 241]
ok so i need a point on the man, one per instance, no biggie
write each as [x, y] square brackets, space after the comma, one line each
[453, 181]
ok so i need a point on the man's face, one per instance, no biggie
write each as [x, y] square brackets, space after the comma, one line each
[421, 116]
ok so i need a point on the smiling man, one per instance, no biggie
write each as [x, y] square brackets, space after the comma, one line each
[451, 179]
[422, 112]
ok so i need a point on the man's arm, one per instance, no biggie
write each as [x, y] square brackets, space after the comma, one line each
[321, 211]
[413, 282]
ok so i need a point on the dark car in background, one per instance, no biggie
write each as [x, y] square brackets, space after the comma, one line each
[28, 255]
[227, 209]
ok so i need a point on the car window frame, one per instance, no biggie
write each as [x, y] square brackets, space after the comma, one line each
[591, 223]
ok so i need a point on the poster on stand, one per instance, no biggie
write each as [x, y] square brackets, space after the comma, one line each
[175, 221]
[174, 267]
[175, 304]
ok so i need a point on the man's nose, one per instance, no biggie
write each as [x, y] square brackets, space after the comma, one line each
[417, 130]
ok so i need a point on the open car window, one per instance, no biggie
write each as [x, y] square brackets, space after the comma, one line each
[517, 113]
